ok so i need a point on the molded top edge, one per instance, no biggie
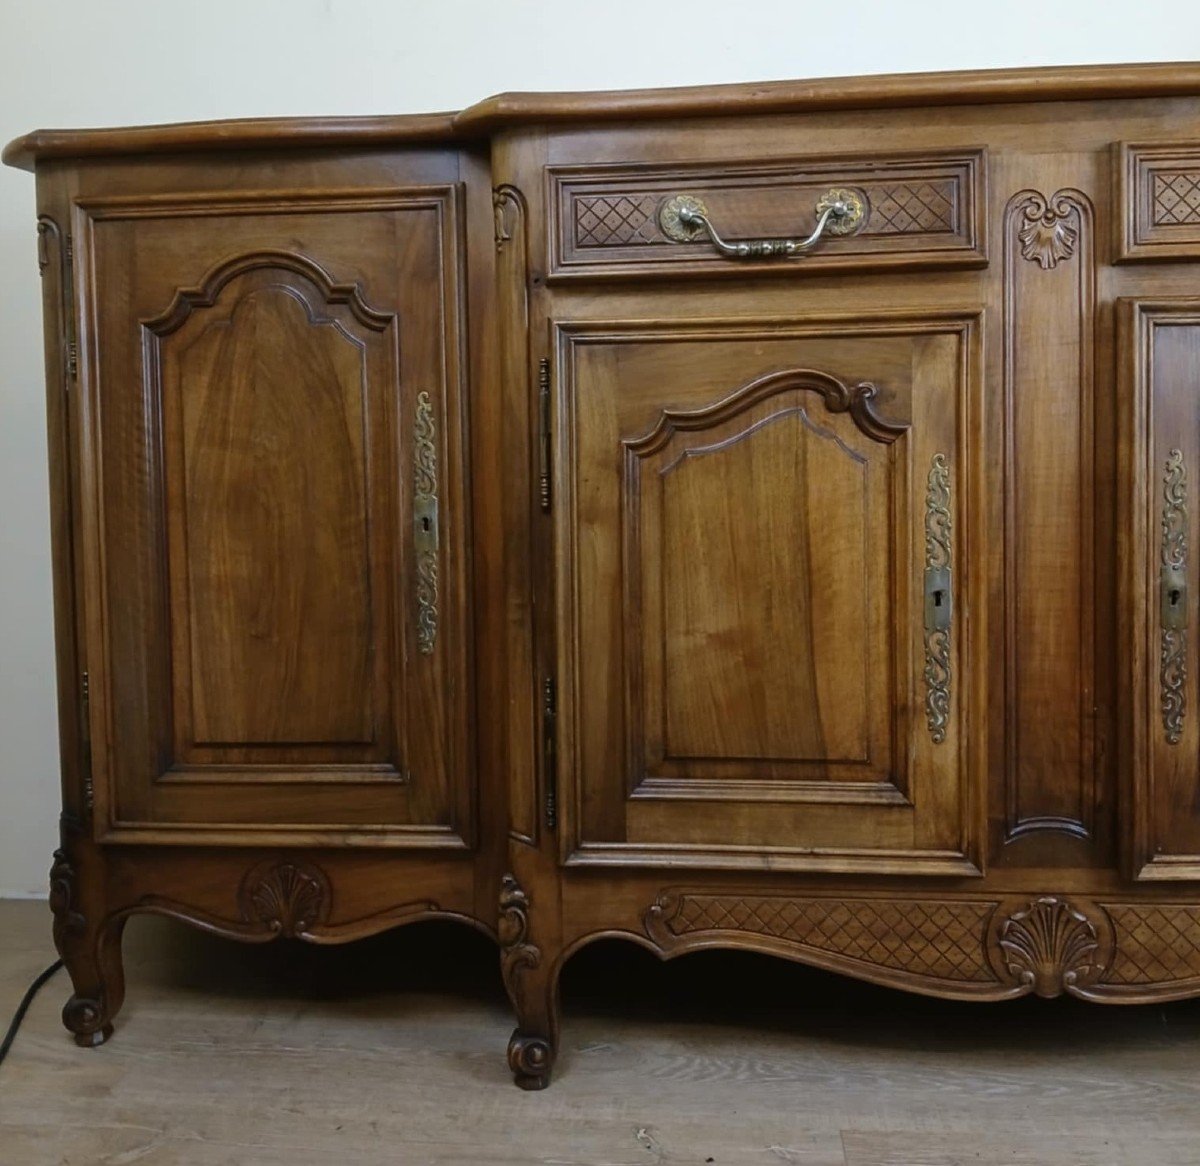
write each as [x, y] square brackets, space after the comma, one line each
[1066, 83]
[252, 133]
[963, 87]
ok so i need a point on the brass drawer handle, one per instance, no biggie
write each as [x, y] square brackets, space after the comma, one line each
[684, 219]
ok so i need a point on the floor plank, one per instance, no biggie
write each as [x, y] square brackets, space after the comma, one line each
[392, 1051]
[1012, 1148]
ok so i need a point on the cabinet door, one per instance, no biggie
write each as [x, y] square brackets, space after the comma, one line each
[767, 555]
[1160, 448]
[276, 525]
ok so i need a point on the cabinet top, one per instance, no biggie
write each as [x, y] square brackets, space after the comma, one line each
[881, 91]
[896, 90]
[251, 133]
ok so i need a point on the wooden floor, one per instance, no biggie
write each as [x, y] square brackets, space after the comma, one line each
[392, 1051]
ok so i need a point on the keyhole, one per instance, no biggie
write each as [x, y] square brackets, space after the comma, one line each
[425, 526]
[1173, 596]
[937, 598]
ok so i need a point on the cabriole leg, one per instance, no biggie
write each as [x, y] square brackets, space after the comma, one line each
[531, 978]
[90, 947]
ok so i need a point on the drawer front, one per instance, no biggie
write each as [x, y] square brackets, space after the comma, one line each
[1159, 201]
[924, 211]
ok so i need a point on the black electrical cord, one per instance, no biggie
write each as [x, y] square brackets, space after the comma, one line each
[23, 1007]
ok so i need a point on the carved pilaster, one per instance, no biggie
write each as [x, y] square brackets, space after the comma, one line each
[1052, 783]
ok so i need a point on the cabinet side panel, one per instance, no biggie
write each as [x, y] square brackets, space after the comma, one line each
[56, 268]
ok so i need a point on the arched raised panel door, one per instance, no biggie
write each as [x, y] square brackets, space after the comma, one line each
[264, 399]
[1160, 532]
[276, 420]
[764, 594]
[721, 554]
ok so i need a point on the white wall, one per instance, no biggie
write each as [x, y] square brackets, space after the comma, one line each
[112, 62]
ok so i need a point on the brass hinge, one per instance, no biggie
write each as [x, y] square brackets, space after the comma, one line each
[43, 245]
[85, 739]
[47, 229]
[69, 298]
[544, 433]
[549, 752]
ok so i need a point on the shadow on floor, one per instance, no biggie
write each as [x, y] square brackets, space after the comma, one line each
[615, 979]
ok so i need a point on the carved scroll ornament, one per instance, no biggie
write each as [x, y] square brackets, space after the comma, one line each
[425, 523]
[938, 595]
[516, 952]
[1173, 598]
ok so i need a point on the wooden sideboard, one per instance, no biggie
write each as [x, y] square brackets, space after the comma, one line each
[755, 516]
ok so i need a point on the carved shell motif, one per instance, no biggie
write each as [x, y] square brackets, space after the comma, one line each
[1050, 946]
[288, 898]
[1047, 234]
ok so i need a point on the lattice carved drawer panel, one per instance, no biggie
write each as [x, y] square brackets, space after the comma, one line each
[1154, 942]
[918, 212]
[934, 939]
[996, 948]
[1158, 201]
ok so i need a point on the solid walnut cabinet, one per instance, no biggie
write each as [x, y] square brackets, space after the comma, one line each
[758, 516]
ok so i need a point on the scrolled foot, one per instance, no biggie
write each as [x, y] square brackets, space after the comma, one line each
[530, 1058]
[86, 1020]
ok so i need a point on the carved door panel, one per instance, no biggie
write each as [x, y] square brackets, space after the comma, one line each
[277, 633]
[1161, 449]
[767, 549]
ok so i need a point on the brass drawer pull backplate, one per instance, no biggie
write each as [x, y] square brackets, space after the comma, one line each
[684, 219]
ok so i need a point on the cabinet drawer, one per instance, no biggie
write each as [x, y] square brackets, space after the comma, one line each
[917, 211]
[1158, 201]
